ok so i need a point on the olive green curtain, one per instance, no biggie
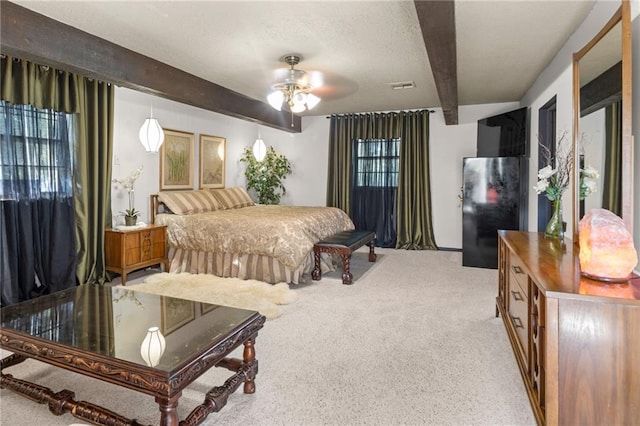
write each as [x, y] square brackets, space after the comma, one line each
[415, 230]
[414, 227]
[612, 174]
[25, 83]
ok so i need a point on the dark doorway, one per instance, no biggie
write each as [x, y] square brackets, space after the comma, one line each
[547, 138]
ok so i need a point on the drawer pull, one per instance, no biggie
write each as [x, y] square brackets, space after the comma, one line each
[516, 269]
[517, 322]
[516, 295]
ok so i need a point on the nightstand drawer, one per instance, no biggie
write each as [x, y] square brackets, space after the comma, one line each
[128, 250]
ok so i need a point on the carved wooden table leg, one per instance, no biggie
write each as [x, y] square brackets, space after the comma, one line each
[347, 276]
[372, 255]
[12, 359]
[316, 274]
[249, 358]
[168, 410]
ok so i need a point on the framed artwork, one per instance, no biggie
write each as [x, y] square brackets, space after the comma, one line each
[212, 161]
[207, 307]
[177, 160]
[176, 313]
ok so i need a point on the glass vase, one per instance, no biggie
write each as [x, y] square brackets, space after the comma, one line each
[555, 227]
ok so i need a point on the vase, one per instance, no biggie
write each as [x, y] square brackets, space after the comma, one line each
[130, 220]
[555, 227]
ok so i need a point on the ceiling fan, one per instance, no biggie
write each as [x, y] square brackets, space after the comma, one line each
[294, 88]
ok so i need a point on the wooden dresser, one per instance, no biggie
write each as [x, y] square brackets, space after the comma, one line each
[130, 250]
[576, 341]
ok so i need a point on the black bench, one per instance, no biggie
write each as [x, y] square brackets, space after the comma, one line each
[343, 244]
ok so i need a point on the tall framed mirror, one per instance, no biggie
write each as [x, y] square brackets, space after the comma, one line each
[602, 139]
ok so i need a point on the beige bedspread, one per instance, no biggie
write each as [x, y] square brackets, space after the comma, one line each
[286, 233]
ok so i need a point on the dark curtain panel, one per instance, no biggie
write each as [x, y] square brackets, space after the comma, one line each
[375, 178]
[612, 175]
[37, 220]
[92, 102]
[413, 228]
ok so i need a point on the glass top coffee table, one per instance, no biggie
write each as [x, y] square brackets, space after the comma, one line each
[152, 344]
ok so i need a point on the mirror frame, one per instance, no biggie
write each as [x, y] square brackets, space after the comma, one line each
[623, 14]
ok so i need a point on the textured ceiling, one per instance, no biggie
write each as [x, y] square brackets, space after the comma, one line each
[358, 46]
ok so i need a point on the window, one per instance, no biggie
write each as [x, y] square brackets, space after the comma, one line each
[377, 162]
[375, 167]
[35, 153]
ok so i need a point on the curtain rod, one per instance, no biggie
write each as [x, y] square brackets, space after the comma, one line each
[358, 113]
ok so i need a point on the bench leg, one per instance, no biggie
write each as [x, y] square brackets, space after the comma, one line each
[316, 274]
[347, 276]
[372, 255]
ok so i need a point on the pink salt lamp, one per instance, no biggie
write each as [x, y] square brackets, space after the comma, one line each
[606, 247]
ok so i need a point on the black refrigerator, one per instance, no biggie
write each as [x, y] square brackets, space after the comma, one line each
[494, 197]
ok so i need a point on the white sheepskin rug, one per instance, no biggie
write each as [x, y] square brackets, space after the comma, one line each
[245, 294]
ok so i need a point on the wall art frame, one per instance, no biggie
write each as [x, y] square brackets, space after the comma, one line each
[176, 313]
[212, 161]
[177, 160]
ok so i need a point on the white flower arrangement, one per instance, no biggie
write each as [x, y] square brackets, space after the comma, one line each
[588, 181]
[127, 183]
[553, 182]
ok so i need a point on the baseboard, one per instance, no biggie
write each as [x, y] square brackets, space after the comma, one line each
[449, 249]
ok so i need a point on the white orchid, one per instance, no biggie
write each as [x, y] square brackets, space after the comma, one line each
[588, 181]
[127, 183]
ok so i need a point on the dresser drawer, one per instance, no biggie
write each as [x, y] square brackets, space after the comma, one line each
[518, 272]
[518, 312]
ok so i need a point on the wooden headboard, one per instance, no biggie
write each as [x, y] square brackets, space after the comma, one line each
[155, 206]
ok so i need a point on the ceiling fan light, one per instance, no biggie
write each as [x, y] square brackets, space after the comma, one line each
[151, 135]
[312, 100]
[300, 98]
[297, 107]
[275, 99]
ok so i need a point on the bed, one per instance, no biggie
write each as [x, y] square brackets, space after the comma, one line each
[224, 233]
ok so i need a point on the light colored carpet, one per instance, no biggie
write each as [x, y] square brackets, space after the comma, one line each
[244, 294]
[414, 341]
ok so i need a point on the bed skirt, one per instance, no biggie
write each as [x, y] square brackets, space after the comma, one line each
[244, 266]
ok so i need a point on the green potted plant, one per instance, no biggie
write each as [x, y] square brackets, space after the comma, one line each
[131, 217]
[266, 177]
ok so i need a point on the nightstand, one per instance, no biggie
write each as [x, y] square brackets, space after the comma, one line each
[128, 250]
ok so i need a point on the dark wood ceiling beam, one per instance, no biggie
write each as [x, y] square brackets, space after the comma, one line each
[37, 38]
[438, 24]
[602, 91]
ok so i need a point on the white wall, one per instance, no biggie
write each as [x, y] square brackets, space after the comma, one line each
[448, 145]
[592, 145]
[307, 151]
[557, 80]
[131, 109]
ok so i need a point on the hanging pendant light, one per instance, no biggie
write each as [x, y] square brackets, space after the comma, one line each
[259, 149]
[151, 134]
[152, 347]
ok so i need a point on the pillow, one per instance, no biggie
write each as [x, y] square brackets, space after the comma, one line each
[233, 198]
[190, 202]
